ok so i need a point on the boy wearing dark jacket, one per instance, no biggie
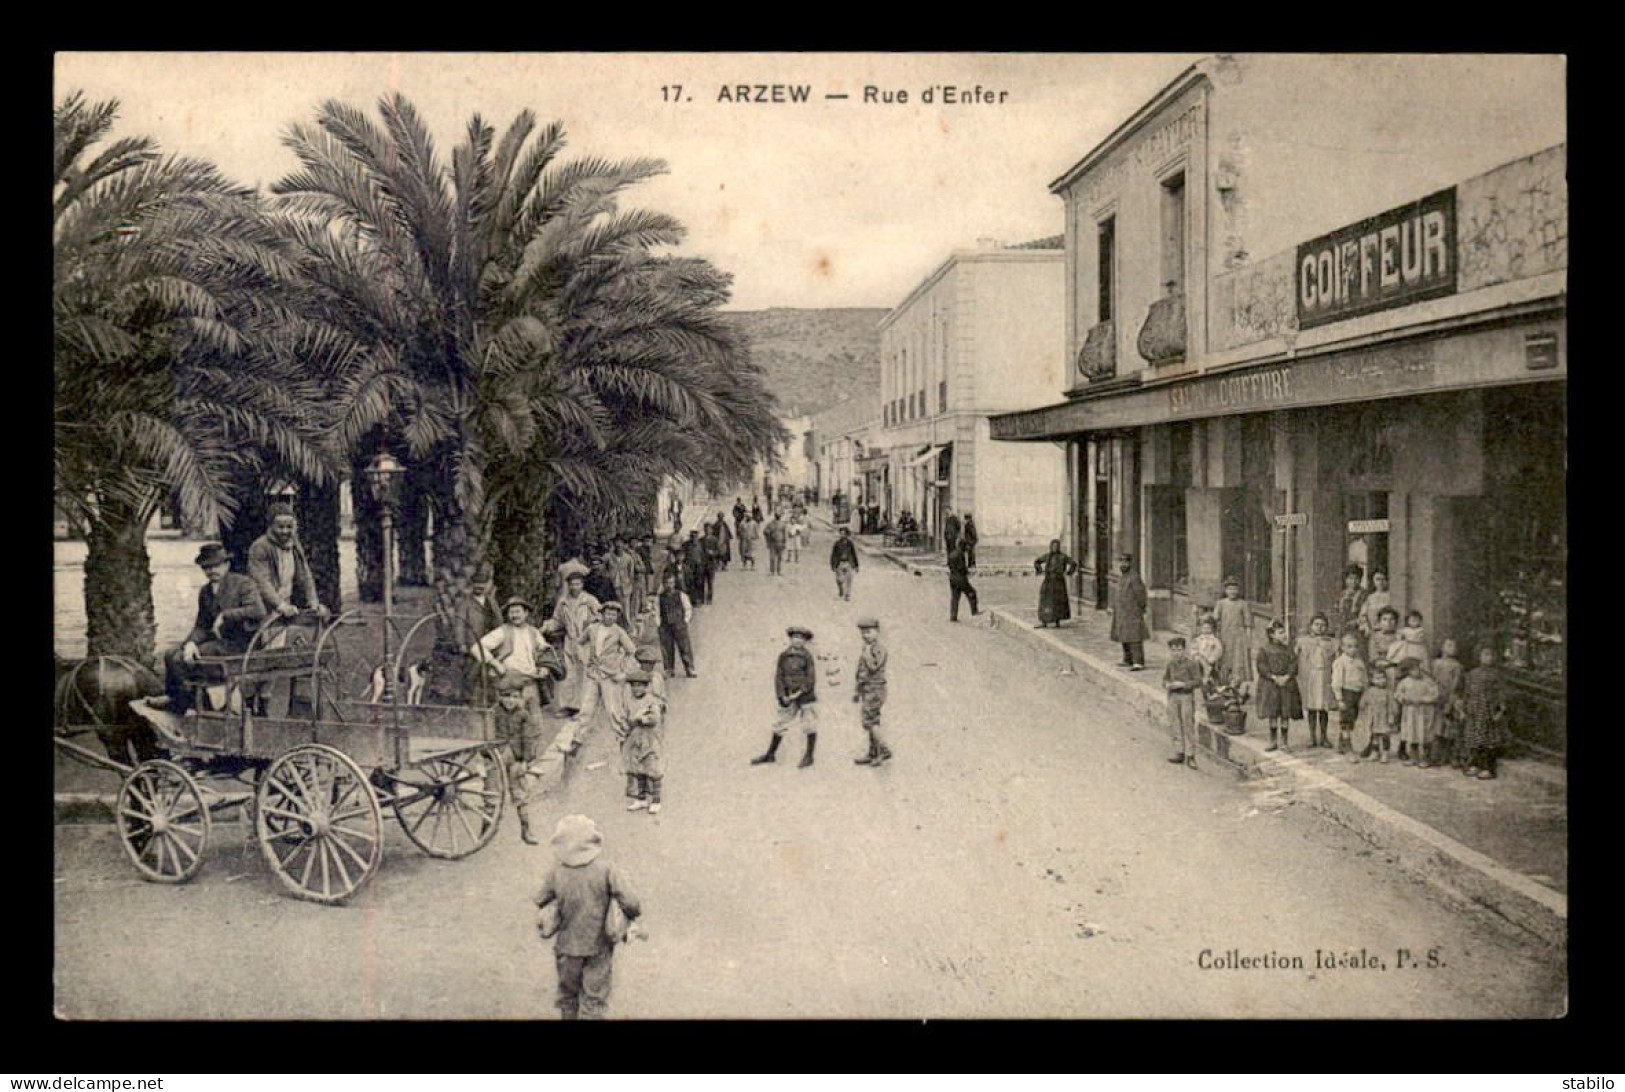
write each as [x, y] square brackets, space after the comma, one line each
[582, 887]
[794, 684]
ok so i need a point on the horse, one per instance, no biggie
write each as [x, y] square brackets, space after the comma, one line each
[95, 694]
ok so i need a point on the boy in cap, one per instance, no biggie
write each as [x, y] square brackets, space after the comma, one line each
[645, 741]
[520, 728]
[582, 886]
[649, 663]
[609, 657]
[1181, 678]
[794, 684]
[870, 690]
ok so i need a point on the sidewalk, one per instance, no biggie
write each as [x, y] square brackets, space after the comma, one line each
[1501, 844]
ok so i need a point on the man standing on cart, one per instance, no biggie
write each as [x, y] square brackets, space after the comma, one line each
[278, 565]
[229, 610]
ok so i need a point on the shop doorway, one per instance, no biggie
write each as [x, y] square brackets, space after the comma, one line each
[1103, 539]
[1365, 518]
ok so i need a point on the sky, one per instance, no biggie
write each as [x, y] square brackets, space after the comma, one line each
[823, 203]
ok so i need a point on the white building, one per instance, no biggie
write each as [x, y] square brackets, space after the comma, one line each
[984, 333]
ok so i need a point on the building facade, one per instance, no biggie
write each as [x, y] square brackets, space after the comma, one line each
[1308, 337]
[838, 435]
[982, 334]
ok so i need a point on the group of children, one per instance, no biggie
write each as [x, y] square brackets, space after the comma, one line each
[795, 687]
[1378, 677]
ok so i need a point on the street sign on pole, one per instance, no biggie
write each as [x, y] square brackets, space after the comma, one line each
[1291, 519]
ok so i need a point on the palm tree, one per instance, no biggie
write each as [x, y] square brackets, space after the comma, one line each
[160, 277]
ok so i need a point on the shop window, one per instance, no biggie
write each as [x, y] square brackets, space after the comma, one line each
[1170, 565]
[1173, 235]
[1107, 266]
[1246, 515]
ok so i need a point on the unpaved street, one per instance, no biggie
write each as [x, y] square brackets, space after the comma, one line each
[1029, 853]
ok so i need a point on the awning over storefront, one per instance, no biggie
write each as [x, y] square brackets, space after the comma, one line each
[927, 454]
[1480, 358]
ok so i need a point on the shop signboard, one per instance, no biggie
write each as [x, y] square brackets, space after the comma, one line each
[1395, 258]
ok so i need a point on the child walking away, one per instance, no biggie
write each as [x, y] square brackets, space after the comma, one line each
[1181, 678]
[582, 888]
[870, 690]
[1448, 673]
[645, 741]
[1376, 713]
[1349, 681]
[1208, 650]
[1276, 693]
[1484, 706]
[1417, 697]
[794, 685]
[519, 728]
[1316, 650]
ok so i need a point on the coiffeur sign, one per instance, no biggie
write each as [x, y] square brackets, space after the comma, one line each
[1401, 256]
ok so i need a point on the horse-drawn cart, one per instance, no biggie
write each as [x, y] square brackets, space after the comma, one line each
[316, 769]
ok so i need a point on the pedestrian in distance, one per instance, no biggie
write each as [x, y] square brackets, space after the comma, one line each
[843, 562]
[959, 582]
[1181, 679]
[694, 567]
[968, 535]
[725, 540]
[869, 690]
[1235, 620]
[796, 534]
[675, 612]
[1276, 692]
[749, 531]
[609, 658]
[1349, 681]
[712, 543]
[1315, 651]
[518, 729]
[774, 537]
[583, 902]
[795, 682]
[1054, 601]
[1485, 720]
[1128, 600]
[644, 745]
[950, 531]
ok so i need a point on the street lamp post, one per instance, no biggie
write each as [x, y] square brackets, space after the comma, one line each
[384, 475]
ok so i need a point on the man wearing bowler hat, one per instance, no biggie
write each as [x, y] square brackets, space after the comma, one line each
[229, 610]
[794, 684]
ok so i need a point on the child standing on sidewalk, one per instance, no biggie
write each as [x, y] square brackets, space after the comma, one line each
[1181, 678]
[1235, 622]
[1377, 713]
[582, 887]
[1276, 692]
[1316, 650]
[1349, 681]
[1448, 672]
[1208, 649]
[519, 726]
[1417, 697]
[642, 751]
[795, 683]
[870, 690]
[1413, 642]
[1485, 707]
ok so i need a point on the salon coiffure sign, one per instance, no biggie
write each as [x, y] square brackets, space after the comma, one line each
[1401, 256]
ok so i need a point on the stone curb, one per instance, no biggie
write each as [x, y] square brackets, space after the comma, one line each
[1458, 870]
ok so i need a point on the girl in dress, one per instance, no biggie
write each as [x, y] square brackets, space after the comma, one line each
[1417, 696]
[1208, 649]
[1448, 673]
[1484, 705]
[1235, 633]
[1276, 692]
[1316, 650]
[1413, 642]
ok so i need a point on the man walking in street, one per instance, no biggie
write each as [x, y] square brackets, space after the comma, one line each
[774, 535]
[968, 536]
[795, 683]
[959, 581]
[582, 888]
[675, 612]
[694, 567]
[1128, 601]
[843, 562]
[870, 691]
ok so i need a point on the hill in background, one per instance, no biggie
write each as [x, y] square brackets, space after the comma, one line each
[813, 358]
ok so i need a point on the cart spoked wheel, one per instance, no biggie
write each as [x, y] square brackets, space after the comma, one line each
[451, 807]
[319, 824]
[163, 822]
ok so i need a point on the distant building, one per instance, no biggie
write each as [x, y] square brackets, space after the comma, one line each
[837, 438]
[1317, 313]
[984, 333]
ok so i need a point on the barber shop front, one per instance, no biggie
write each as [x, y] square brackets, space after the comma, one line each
[1436, 461]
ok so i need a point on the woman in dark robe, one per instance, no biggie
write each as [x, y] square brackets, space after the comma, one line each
[1054, 602]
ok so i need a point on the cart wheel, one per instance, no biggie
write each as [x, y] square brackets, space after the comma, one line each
[319, 824]
[163, 822]
[451, 807]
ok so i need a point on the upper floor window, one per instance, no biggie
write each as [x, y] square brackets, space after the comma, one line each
[1106, 234]
[1173, 234]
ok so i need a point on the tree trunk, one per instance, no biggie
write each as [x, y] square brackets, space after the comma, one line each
[369, 537]
[118, 587]
[318, 509]
[457, 553]
[411, 529]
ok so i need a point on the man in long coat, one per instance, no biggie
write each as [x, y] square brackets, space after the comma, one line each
[1128, 601]
[277, 564]
[229, 610]
[575, 611]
